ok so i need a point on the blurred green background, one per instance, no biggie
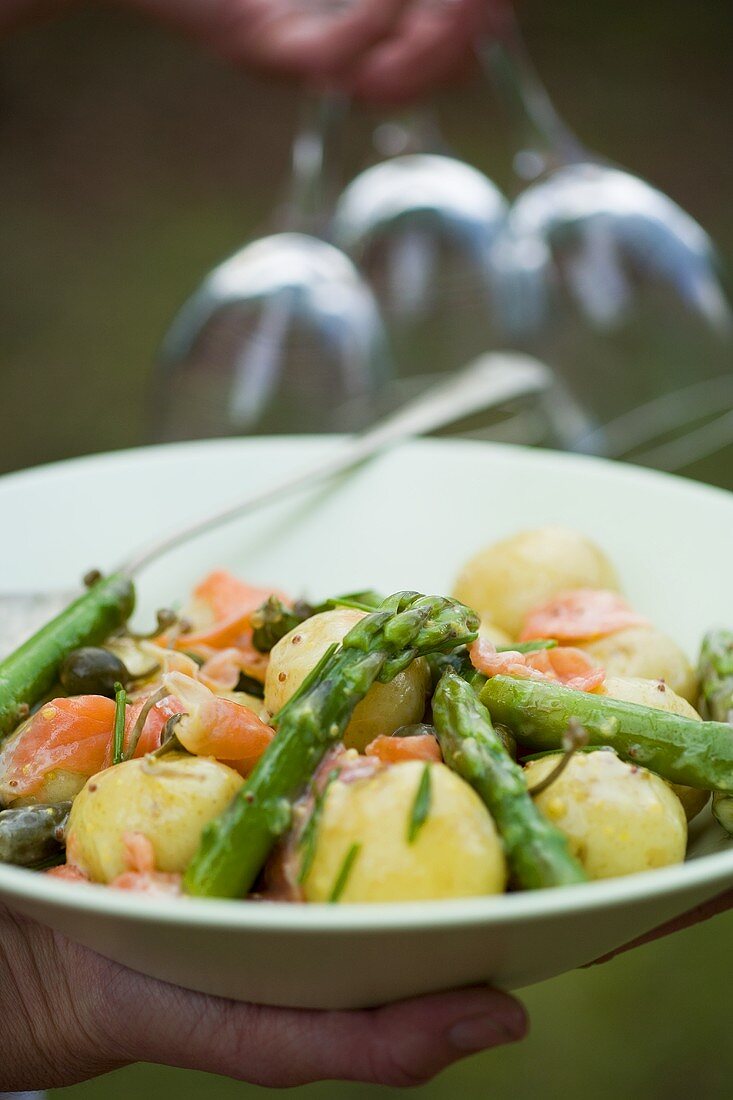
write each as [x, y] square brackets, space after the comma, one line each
[130, 164]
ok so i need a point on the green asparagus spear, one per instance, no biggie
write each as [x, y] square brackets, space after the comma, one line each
[716, 701]
[460, 662]
[681, 750]
[234, 848]
[275, 619]
[536, 851]
[32, 833]
[716, 676]
[28, 673]
[534, 646]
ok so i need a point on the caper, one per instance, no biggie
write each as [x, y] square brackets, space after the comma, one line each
[92, 670]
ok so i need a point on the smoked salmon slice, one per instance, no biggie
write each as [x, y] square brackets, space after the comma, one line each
[226, 595]
[228, 604]
[141, 875]
[74, 734]
[561, 665]
[579, 615]
[221, 669]
[71, 735]
[212, 726]
[393, 750]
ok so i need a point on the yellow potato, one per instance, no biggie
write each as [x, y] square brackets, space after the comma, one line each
[643, 651]
[58, 785]
[252, 702]
[385, 707]
[654, 693]
[657, 694]
[692, 798]
[456, 852]
[618, 818]
[508, 579]
[493, 633]
[169, 800]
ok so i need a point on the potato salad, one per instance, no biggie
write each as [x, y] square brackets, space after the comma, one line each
[530, 730]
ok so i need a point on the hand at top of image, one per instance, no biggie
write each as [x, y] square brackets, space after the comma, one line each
[382, 51]
[377, 50]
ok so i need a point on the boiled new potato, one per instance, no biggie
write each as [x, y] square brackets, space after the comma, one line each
[58, 785]
[251, 702]
[643, 651]
[385, 707]
[169, 800]
[508, 579]
[618, 818]
[493, 633]
[657, 694]
[455, 853]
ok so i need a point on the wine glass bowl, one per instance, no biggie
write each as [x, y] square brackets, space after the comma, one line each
[285, 333]
[396, 217]
[612, 235]
[609, 232]
[429, 232]
[278, 337]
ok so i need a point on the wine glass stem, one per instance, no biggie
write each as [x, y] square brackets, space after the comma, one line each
[545, 141]
[314, 157]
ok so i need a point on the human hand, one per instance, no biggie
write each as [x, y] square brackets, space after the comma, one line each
[376, 50]
[705, 911]
[67, 1014]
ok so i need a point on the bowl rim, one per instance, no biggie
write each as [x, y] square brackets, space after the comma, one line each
[267, 916]
[316, 917]
[330, 441]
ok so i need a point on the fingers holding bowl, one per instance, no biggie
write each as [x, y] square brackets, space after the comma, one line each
[72, 1015]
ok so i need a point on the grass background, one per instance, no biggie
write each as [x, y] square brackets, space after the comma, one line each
[130, 163]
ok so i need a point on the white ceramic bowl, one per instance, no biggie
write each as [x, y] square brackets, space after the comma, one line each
[406, 521]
